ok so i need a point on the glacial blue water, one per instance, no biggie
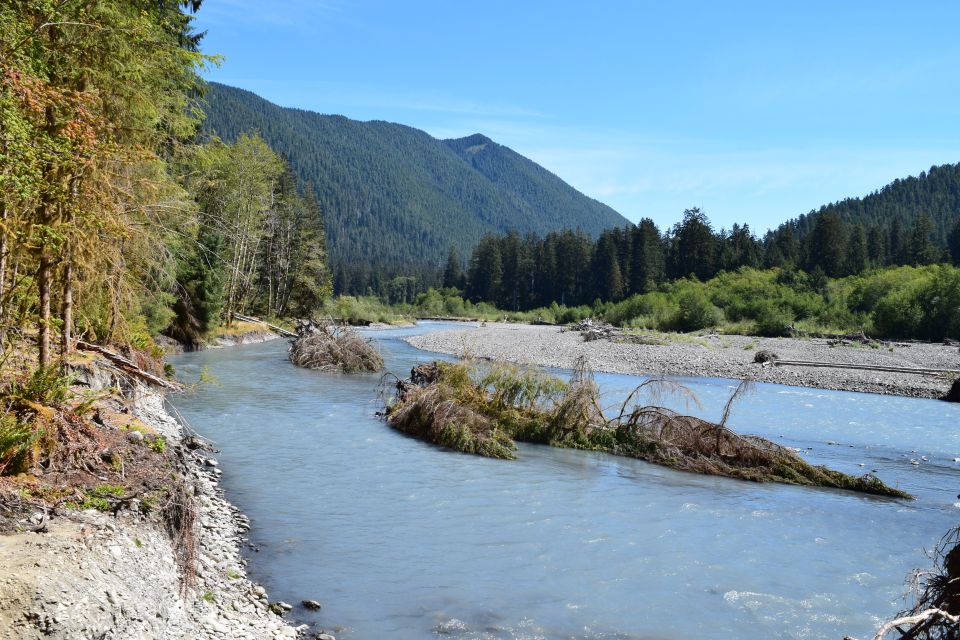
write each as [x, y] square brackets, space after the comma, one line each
[400, 539]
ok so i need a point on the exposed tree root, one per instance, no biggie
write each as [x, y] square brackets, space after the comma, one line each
[482, 408]
[330, 347]
[936, 611]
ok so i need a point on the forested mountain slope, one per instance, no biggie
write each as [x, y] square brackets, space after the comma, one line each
[934, 193]
[394, 196]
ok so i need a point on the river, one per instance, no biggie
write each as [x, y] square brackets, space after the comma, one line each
[400, 539]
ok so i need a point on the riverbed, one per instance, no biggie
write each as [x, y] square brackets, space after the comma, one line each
[400, 539]
[723, 356]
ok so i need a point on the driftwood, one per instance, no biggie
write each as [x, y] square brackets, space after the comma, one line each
[867, 367]
[764, 356]
[591, 330]
[283, 332]
[128, 366]
[936, 611]
[330, 347]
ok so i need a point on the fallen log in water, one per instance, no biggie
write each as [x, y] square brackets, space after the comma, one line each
[330, 347]
[482, 408]
[936, 611]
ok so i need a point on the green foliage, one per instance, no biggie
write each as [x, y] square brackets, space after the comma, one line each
[43, 386]
[157, 443]
[772, 321]
[396, 196]
[17, 437]
[695, 311]
[98, 498]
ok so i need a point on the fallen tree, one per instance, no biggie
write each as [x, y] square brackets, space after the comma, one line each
[935, 614]
[331, 347]
[483, 408]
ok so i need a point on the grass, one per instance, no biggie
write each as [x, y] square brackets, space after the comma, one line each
[157, 443]
[482, 408]
[98, 498]
[237, 328]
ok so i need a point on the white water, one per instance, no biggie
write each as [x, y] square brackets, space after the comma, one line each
[400, 539]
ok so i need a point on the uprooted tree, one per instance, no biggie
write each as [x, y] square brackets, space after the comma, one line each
[483, 408]
[935, 614]
[330, 347]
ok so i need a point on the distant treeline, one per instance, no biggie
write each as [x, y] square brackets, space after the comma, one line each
[893, 302]
[908, 222]
[570, 268]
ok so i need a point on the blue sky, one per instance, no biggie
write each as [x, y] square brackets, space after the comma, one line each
[754, 111]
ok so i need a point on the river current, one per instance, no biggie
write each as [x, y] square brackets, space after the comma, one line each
[400, 539]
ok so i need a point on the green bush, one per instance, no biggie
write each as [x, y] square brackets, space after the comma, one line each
[773, 322]
[42, 386]
[695, 312]
[16, 439]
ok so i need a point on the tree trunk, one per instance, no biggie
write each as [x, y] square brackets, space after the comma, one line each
[3, 271]
[43, 285]
[66, 334]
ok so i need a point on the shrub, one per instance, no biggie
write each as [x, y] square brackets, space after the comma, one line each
[16, 439]
[695, 312]
[773, 322]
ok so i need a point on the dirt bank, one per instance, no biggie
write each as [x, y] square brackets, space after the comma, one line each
[710, 356]
[93, 574]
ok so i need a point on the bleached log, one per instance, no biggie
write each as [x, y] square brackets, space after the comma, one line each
[127, 365]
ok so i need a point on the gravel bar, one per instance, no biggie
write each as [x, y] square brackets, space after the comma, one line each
[713, 356]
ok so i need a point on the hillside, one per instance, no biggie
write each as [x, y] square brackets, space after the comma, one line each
[394, 196]
[935, 193]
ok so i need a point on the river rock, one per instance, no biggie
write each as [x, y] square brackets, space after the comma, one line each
[954, 394]
[311, 604]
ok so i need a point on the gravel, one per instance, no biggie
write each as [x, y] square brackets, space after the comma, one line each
[713, 356]
[93, 575]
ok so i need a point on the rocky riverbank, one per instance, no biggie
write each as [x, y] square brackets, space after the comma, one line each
[717, 356]
[239, 333]
[96, 574]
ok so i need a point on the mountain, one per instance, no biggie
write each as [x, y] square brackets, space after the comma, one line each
[396, 197]
[935, 193]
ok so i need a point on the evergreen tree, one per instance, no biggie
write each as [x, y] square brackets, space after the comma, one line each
[607, 279]
[954, 242]
[828, 245]
[920, 249]
[898, 245]
[453, 277]
[857, 254]
[486, 271]
[781, 247]
[695, 246]
[741, 249]
[878, 246]
[647, 261]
